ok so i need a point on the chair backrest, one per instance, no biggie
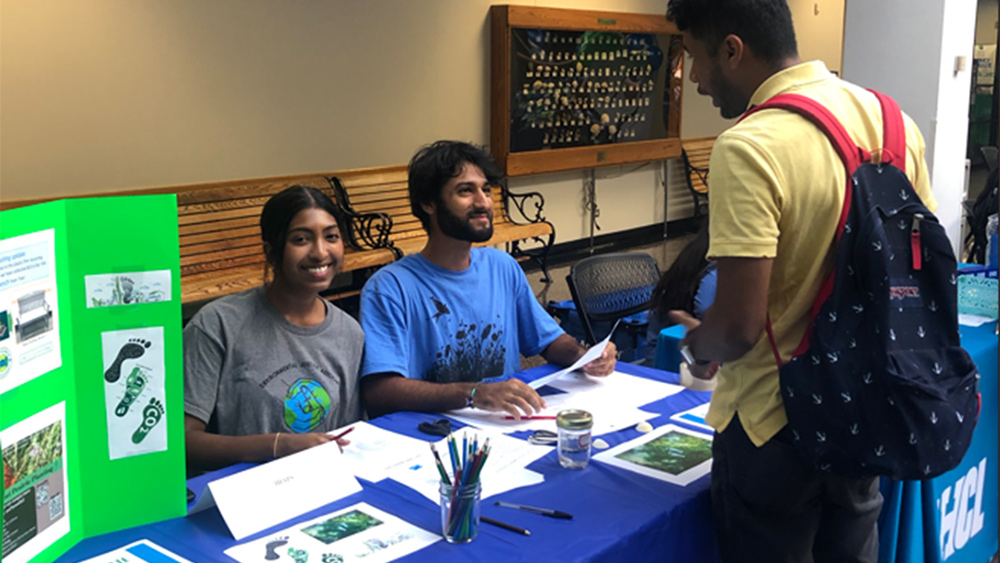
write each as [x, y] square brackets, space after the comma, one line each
[612, 286]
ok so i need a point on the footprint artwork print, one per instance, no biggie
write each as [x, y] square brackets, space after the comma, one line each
[134, 384]
[135, 397]
[151, 415]
[270, 548]
[133, 349]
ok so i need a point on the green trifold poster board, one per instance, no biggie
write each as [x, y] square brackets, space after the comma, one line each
[91, 380]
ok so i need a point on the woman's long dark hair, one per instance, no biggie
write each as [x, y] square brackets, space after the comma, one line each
[678, 285]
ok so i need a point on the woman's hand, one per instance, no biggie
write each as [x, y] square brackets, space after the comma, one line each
[287, 444]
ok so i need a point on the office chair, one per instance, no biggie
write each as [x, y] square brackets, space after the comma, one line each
[613, 286]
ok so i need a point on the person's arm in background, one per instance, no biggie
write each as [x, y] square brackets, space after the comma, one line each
[736, 320]
[705, 294]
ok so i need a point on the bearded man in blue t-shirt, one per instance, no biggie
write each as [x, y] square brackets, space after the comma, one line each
[437, 323]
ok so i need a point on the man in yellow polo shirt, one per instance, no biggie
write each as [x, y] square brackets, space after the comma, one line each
[777, 188]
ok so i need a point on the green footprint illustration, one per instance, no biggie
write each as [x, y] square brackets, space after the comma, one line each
[299, 555]
[151, 415]
[134, 384]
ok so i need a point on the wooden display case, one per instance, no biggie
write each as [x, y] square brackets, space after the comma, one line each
[573, 89]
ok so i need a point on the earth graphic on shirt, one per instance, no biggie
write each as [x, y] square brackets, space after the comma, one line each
[306, 405]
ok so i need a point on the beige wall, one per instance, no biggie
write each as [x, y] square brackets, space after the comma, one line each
[986, 22]
[105, 95]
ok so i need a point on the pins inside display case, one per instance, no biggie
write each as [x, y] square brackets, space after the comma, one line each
[576, 89]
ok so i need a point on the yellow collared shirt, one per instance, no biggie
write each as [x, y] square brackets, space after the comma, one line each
[777, 188]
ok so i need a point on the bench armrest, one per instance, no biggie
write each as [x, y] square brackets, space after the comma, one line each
[364, 230]
[525, 203]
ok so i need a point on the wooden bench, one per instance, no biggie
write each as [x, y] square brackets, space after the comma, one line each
[696, 154]
[220, 246]
[384, 190]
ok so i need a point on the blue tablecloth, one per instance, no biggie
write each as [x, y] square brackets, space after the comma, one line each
[618, 515]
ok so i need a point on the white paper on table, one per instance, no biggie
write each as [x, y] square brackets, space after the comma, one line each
[630, 390]
[612, 401]
[590, 355]
[503, 471]
[668, 453]
[142, 551]
[357, 533]
[695, 417]
[374, 452]
[608, 413]
[271, 493]
[608, 416]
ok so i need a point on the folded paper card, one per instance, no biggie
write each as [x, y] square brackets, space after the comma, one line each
[269, 494]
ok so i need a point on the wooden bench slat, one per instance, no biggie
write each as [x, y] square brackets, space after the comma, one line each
[219, 226]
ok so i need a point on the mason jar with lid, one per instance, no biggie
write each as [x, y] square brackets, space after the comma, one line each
[574, 438]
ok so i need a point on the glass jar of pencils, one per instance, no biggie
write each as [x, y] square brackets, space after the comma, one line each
[460, 511]
[574, 438]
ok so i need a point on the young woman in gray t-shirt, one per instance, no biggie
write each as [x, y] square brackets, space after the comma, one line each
[269, 371]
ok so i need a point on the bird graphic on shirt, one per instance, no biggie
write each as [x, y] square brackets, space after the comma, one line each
[442, 309]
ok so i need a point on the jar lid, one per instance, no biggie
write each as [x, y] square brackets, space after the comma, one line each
[574, 419]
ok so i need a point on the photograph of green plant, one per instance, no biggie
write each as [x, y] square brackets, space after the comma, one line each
[673, 452]
[31, 454]
[342, 526]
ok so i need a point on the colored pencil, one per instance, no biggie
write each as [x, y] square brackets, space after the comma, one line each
[342, 434]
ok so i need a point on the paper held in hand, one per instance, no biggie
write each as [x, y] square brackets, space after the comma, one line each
[590, 355]
[271, 493]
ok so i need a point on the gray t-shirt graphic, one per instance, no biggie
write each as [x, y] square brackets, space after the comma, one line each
[247, 370]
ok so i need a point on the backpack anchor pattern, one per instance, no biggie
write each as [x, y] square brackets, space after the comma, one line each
[893, 289]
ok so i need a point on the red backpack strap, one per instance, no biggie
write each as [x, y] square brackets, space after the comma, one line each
[851, 155]
[893, 132]
[816, 113]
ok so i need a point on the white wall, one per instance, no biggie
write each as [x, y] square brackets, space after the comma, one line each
[913, 60]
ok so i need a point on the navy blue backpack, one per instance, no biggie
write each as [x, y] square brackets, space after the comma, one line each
[879, 384]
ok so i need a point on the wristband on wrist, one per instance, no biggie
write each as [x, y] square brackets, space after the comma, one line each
[469, 401]
[274, 448]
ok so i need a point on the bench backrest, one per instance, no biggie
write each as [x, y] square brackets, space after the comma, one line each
[385, 190]
[698, 153]
[219, 223]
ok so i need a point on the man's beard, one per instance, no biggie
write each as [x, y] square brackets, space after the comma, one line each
[458, 228]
